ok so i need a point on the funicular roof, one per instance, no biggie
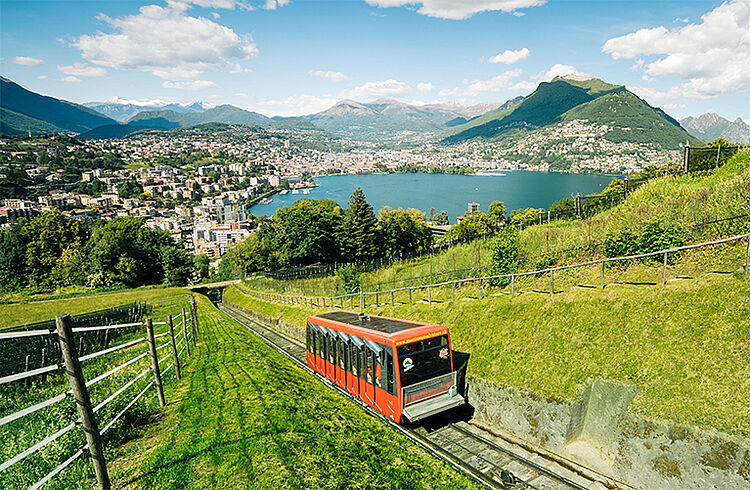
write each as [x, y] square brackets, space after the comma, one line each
[377, 323]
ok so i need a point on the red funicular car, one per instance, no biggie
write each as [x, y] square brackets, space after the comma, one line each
[402, 369]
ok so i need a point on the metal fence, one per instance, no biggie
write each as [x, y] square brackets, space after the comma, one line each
[178, 332]
[341, 300]
[23, 352]
[707, 157]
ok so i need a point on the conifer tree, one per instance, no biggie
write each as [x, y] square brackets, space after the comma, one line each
[360, 226]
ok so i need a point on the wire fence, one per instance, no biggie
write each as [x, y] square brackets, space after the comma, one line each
[708, 157]
[506, 280]
[113, 371]
[20, 352]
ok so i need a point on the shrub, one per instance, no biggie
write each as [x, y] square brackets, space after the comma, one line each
[656, 236]
[348, 277]
[621, 243]
[505, 249]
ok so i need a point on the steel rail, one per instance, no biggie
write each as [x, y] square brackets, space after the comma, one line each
[94, 355]
[33, 408]
[32, 372]
[114, 370]
[127, 385]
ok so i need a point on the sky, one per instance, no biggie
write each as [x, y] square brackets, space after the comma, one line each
[295, 57]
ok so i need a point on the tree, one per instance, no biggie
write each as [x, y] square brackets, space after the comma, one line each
[360, 228]
[505, 249]
[46, 237]
[475, 226]
[129, 189]
[12, 255]
[201, 264]
[563, 208]
[497, 211]
[526, 217]
[403, 230]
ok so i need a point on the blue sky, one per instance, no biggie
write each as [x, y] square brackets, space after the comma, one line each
[293, 57]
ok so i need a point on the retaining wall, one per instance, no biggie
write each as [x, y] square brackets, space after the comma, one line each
[597, 431]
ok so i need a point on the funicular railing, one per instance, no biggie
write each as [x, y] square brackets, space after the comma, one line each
[430, 388]
[180, 329]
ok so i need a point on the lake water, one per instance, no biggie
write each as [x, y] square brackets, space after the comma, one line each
[452, 193]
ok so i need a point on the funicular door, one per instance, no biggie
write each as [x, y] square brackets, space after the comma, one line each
[353, 380]
[341, 360]
[331, 359]
[368, 370]
[320, 358]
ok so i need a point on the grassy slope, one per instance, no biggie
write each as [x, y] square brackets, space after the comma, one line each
[12, 314]
[685, 346]
[23, 433]
[245, 417]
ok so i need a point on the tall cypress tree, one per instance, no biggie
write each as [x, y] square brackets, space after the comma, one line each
[360, 227]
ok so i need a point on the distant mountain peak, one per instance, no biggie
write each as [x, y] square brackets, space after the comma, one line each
[574, 78]
[711, 126]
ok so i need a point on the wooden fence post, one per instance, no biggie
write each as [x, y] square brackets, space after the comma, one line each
[664, 271]
[361, 301]
[429, 297]
[551, 282]
[185, 331]
[601, 278]
[194, 322]
[453, 291]
[155, 360]
[82, 399]
[410, 302]
[44, 362]
[28, 365]
[174, 347]
[512, 285]
[747, 255]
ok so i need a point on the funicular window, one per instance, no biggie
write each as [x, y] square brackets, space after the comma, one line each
[354, 358]
[340, 343]
[309, 338]
[368, 364]
[424, 359]
[389, 372]
[331, 351]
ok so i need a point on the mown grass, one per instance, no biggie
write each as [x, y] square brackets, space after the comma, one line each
[246, 417]
[21, 312]
[27, 431]
[685, 345]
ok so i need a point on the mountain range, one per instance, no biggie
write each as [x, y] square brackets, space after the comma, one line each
[121, 110]
[23, 111]
[710, 126]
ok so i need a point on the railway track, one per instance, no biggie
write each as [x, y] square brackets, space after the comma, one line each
[491, 461]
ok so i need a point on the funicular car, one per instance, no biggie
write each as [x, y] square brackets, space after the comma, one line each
[402, 369]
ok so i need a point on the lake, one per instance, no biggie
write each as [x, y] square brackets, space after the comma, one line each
[452, 193]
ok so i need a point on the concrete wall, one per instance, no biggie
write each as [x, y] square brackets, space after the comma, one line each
[597, 431]
[295, 332]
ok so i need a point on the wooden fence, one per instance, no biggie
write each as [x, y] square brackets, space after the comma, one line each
[179, 330]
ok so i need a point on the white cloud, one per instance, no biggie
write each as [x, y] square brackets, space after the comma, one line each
[373, 90]
[189, 84]
[458, 9]
[272, 4]
[82, 70]
[556, 70]
[519, 14]
[237, 69]
[140, 102]
[711, 56]
[42, 77]
[334, 76]
[26, 61]
[215, 15]
[476, 87]
[70, 79]
[425, 87]
[165, 42]
[509, 57]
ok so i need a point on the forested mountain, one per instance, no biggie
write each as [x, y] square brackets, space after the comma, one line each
[24, 111]
[168, 119]
[710, 127]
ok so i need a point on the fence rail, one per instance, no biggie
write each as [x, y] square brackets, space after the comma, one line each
[340, 299]
[79, 386]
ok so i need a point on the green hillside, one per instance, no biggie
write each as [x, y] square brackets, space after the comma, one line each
[168, 119]
[631, 119]
[572, 98]
[13, 123]
[48, 111]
